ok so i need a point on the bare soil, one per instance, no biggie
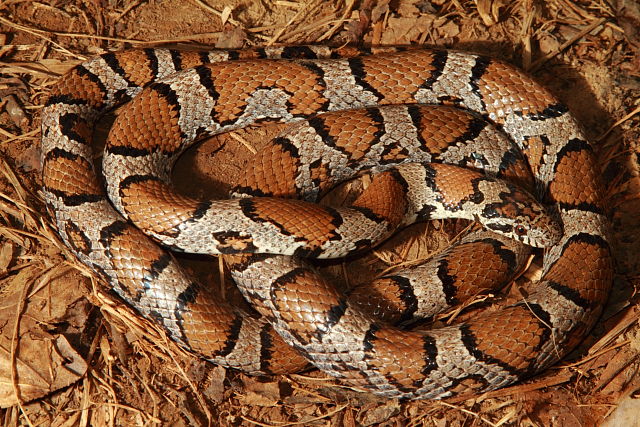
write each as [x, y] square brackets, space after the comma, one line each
[72, 354]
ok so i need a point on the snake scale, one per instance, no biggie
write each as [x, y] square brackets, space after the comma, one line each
[375, 118]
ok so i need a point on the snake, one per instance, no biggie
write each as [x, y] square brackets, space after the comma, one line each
[417, 119]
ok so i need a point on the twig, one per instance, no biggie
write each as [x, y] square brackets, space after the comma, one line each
[540, 61]
[208, 8]
[466, 411]
[295, 423]
[618, 123]
[41, 34]
[244, 142]
[278, 33]
[340, 21]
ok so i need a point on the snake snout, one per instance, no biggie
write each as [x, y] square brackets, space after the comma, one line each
[552, 232]
[543, 233]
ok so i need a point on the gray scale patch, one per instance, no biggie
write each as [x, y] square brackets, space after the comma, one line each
[165, 63]
[490, 144]
[427, 288]
[112, 81]
[195, 104]
[311, 148]
[456, 363]
[400, 131]
[453, 82]
[265, 103]
[245, 356]
[563, 313]
[354, 227]
[342, 90]
[226, 216]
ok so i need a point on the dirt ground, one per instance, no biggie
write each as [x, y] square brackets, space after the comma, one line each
[72, 354]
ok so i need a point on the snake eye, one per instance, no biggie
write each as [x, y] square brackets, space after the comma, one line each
[520, 230]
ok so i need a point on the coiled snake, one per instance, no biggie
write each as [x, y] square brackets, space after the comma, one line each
[392, 134]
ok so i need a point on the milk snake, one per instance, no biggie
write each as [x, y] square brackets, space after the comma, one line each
[237, 88]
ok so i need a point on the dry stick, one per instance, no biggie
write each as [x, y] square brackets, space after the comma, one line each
[539, 62]
[578, 10]
[525, 33]
[216, 12]
[195, 390]
[41, 34]
[618, 123]
[190, 37]
[244, 142]
[559, 378]
[295, 423]
[128, 9]
[128, 408]
[311, 27]
[466, 411]
[38, 33]
[342, 19]
[8, 134]
[300, 11]
[35, 69]
[17, 137]
[597, 354]
[630, 317]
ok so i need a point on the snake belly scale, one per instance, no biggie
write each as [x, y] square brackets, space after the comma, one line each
[238, 88]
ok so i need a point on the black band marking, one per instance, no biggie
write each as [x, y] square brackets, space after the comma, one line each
[111, 59]
[73, 233]
[127, 151]
[318, 124]
[206, 80]
[298, 52]
[359, 74]
[65, 99]
[153, 62]
[550, 112]
[439, 62]
[287, 146]
[407, 296]
[176, 59]
[68, 122]
[234, 242]
[448, 282]
[477, 71]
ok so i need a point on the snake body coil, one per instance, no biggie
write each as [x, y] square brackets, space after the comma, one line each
[215, 94]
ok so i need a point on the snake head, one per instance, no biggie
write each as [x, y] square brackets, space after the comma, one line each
[523, 218]
[541, 232]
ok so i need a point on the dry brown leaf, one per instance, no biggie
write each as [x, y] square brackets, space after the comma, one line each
[42, 361]
[261, 393]
[379, 413]
[49, 363]
[548, 44]
[6, 256]
[406, 30]
[449, 30]
[232, 38]
[215, 389]
[487, 11]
